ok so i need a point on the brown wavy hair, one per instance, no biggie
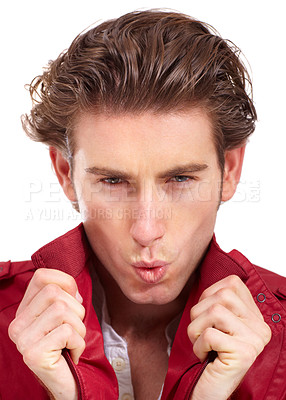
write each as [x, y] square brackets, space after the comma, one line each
[152, 60]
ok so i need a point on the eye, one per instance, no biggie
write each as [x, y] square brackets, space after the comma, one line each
[111, 180]
[181, 179]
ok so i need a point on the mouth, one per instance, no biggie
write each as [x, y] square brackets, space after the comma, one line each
[151, 272]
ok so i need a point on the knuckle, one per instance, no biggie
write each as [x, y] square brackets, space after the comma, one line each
[82, 312]
[207, 335]
[215, 310]
[52, 291]
[82, 345]
[233, 281]
[67, 330]
[194, 313]
[191, 333]
[256, 346]
[224, 294]
[196, 350]
[267, 334]
[60, 308]
[39, 275]
[83, 331]
[21, 344]
[260, 345]
[70, 284]
[249, 355]
[205, 294]
[30, 357]
[42, 276]
[13, 330]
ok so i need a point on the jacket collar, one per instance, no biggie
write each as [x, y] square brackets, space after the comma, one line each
[217, 265]
[69, 253]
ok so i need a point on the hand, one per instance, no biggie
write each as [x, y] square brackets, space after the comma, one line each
[227, 321]
[48, 320]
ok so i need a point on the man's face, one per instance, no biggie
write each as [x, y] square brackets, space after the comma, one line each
[148, 187]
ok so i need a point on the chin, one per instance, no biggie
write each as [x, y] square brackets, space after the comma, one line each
[152, 296]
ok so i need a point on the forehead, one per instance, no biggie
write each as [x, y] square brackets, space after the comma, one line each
[146, 138]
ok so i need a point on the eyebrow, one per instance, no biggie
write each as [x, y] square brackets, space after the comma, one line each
[177, 170]
[183, 169]
[108, 172]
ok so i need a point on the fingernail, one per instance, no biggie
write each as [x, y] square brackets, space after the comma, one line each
[78, 297]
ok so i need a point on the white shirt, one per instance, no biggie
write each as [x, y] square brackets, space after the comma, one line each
[115, 346]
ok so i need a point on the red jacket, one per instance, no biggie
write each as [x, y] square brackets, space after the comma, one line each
[96, 380]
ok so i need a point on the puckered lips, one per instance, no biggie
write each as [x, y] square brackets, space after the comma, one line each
[151, 272]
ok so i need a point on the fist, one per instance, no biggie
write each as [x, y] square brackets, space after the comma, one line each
[226, 320]
[49, 319]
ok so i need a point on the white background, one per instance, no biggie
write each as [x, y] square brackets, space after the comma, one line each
[33, 32]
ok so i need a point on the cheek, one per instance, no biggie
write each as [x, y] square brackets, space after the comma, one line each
[198, 203]
[106, 238]
[106, 224]
[193, 222]
[208, 191]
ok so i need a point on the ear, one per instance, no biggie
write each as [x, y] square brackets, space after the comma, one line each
[63, 172]
[232, 172]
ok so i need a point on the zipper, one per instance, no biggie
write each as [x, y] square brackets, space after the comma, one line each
[67, 356]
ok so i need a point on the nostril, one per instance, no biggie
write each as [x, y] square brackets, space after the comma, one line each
[146, 232]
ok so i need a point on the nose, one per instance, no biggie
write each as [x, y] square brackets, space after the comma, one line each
[147, 224]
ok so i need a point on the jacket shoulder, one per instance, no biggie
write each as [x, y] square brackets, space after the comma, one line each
[275, 282]
[9, 269]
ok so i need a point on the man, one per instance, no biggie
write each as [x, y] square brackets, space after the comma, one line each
[147, 118]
